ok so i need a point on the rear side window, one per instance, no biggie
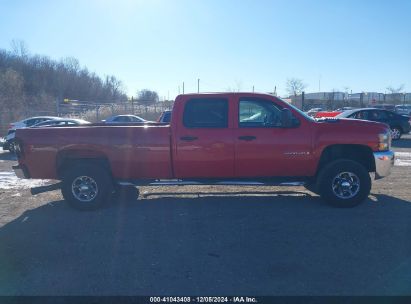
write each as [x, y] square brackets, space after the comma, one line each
[167, 117]
[122, 119]
[206, 113]
[378, 115]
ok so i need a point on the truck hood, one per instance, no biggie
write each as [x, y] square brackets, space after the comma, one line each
[350, 131]
[350, 122]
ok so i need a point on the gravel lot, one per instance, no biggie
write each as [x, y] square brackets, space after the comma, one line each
[202, 244]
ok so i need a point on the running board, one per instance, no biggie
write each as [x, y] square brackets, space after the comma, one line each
[42, 189]
[210, 183]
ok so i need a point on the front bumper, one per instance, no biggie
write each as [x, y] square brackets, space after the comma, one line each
[384, 161]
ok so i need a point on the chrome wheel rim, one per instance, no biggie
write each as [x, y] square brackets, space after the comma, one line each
[395, 133]
[346, 185]
[84, 189]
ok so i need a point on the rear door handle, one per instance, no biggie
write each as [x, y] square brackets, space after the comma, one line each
[247, 138]
[188, 138]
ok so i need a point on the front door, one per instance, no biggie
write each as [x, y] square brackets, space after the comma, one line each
[263, 148]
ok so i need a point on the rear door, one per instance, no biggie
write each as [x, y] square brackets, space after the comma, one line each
[204, 146]
[379, 116]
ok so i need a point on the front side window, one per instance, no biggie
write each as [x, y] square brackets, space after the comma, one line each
[258, 113]
[32, 122]
[360, 115]
[206, 113]
[135, 119]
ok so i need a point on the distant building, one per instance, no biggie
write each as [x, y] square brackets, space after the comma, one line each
[335, 100]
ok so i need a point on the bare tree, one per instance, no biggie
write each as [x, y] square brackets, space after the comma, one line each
[147, 97]
[31, 83]
[19, 48]
[396, 93]
[238, 86]
[11, 93]
[295, 86]
[393, 90]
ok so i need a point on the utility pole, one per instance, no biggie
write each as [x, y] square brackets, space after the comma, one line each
[183, 87]
[198, 85]
[319, 83]
[58, 106]
[302, 100]
[275, 91]
[253, 89]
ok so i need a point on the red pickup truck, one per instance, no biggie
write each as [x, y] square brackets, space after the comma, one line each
[217, 139]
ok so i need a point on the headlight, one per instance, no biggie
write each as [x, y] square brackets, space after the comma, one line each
[384, 141]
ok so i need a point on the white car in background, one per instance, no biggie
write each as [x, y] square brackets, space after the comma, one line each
[313, 111]
[124, 119]
[403, 109]
[61, 122]
[28, 122]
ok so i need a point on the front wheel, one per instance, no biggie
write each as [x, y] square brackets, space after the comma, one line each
[86, 186]
[344, 183]
[395, 133]
[11, 146]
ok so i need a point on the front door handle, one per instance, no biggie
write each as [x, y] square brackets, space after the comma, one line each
[247, 138]
[188, 138]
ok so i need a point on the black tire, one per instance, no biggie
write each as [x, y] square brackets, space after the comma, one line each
[125, 193]
[344, 183]
[396, 133]
[97, 185]
[6, 146]
[11, 146]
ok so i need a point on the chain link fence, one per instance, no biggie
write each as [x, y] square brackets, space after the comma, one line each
[90, 110]
[335, 100]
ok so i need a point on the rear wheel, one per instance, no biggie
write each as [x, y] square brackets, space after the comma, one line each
[344, 183]
[396, 133]
[86, 186]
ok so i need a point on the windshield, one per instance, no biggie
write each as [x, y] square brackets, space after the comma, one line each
[298, 110]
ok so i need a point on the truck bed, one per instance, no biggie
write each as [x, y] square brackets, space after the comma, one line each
[133, 151]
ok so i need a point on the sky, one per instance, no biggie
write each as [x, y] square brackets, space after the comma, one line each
[361, 45]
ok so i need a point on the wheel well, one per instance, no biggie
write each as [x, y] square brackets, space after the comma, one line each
[359, 153]
[68, 159]
[397, 127]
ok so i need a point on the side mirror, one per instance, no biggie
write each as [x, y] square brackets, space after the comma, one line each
[286, 118]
